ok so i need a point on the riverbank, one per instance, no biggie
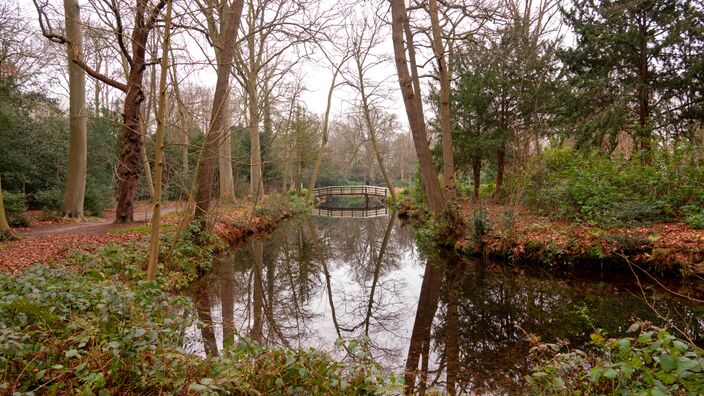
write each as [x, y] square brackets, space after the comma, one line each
[52, 241]
[86, 321]
[522, 236]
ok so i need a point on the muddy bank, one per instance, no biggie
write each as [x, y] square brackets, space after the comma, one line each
[235, 226]
[522, 236]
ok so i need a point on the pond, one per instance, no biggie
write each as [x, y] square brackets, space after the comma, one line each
[436, 316]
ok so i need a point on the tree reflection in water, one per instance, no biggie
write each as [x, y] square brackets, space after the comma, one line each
[456, 324]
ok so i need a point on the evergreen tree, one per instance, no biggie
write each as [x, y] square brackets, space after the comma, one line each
[630, 67]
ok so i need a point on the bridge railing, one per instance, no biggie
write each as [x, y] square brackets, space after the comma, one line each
[351, 213]
[351, 190]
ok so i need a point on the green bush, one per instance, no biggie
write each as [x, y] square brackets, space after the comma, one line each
[653, 363]
[591, 187]
[52, 199]
[68, 333]
[251, 368]
[14, 202]
[98, 197]
[18, 220]
[63, 333]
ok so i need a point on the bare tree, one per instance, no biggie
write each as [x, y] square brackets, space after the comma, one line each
[409, 81]
[159, 146]
[23, 55]
[145, 15]
[232, 13]
[78, 141]
[326, 122]
[5, 230]
[365, 37]
[448, 162]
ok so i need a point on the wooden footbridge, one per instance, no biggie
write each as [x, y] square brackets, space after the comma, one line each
[357, 213]
[366, 191]
[326, 193]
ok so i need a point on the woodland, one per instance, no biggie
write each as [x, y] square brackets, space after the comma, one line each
[551, 133]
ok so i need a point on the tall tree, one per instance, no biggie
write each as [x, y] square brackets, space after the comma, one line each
[78, 145]
[232, 12]
[365, 37]
[159, 146]
[408, 79]
[216, 16]
[145, 15]
[5, 230]
[628, 63]
[448, 163]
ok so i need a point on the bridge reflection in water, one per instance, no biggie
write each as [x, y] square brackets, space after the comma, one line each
[351, 213]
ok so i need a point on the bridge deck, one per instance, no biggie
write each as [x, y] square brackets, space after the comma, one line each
[351, 213]
[351, 190]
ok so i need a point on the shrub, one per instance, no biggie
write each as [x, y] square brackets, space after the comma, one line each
[251, 368]
[98, 197]
[654, 363]
[591, 187]
[52, 199]
[67, 333]
[18, 220]
[14, 202]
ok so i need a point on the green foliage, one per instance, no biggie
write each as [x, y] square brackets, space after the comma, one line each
[34, 138]
[653, 363]
[18, 220]
[694, 214]
[605, 72]
[192, 251]
[14, 209]
[64, 333]
[51, 199]
[99, 196]
[186, 255]
[67, 333]
[14, 202]
[251, 368]
[591, 187]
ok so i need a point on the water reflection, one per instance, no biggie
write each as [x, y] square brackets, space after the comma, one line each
[440, 320]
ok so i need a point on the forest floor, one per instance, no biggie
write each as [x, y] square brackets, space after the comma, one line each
[523, 235]
[49, 240]
[46, 241]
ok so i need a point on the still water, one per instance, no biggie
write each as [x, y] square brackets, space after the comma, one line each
[433, 315]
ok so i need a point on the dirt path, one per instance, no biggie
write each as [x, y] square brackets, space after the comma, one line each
[105, 224]
[48, 242]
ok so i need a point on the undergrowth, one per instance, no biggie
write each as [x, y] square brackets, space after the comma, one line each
[654, 362]
[591, 187]
[68, 333]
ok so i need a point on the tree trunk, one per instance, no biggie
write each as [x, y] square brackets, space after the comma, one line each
[324, 141]
[371, 128]
[412, 100]
[184, 119]
[74, 195]
[257, 332]
[129, 164]
[448, 161]
[500, 169]
[452, 353]
[420, 335]
[159, 147]
[255, 159]
[148, 180]
[5, 230]
[227, 183]
[476, 174]
[643, 95]
[206, 171]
